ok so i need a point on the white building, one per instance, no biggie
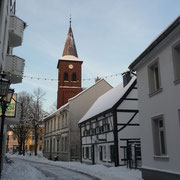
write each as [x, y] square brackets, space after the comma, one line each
[110, 129]
[158, 77]
[62, 136]
[11, 36]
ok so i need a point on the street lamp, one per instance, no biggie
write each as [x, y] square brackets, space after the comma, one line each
[5, 98]
[4, 87]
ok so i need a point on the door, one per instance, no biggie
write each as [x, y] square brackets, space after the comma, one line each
[93, 154]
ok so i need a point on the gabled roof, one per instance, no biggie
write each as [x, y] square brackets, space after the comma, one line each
[65, 106]
[107, 101]
[160, 38]
[82, 92]
[70, 47]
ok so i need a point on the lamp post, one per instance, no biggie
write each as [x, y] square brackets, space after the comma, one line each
[5, 98]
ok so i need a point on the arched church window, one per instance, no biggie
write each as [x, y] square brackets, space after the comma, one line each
[73, 76]
[65, 76]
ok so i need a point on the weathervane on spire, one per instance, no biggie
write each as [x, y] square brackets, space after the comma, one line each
[70, 20]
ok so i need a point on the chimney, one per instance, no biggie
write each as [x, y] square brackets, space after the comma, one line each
[126, 78]
[97, 79]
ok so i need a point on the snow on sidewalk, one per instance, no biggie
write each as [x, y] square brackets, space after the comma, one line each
[21, 171]
[99, 171]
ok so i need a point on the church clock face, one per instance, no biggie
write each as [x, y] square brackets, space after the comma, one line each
[70, 66]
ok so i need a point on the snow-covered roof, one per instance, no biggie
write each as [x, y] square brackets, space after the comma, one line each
[107, 100]
[88, 89]
[62, 108]
[69, 58]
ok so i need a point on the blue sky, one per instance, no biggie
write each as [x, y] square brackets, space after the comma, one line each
[109, 35]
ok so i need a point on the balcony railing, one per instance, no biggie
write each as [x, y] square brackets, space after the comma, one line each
[14, 68]
[16, 31]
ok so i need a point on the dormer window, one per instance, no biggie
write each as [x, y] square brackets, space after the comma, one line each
[65, 76]
[73, 76]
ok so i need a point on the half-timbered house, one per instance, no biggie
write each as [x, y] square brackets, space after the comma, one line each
[110, 129]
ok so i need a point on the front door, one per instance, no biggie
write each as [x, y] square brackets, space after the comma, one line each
[93, 154]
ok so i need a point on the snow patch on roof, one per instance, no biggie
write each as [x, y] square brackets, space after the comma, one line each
[88, 89]
[70, 58]
[56, 112]
[107, 100]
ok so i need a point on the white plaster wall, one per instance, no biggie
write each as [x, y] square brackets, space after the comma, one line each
[80, 105]
[166, 102]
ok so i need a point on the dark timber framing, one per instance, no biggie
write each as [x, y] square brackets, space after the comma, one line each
[116, 140]
[113, 113]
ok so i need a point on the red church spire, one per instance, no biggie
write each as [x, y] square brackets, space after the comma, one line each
[70, 47]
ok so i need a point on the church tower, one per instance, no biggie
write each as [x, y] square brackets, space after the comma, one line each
[69, 71]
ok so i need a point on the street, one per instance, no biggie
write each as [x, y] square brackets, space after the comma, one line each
[56, 173]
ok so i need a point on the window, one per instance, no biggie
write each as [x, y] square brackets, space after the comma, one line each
[62, 144]
[100, 153]
[65, 76]
[54, 144]
[87, 152]
[154, 77]
[51, 125]
[90, 153]
[62, 120]
[97, 129]
[83, 152]
[73, 76]
[176, 60]
[54, 123]
[58, 122]
[104, 152]
[57, 145]
[112, 153]
[159, 135]
[47, 150]
[66, 144]
[48, 127]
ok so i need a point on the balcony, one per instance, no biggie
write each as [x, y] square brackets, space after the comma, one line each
[14, 68]
[16, 30]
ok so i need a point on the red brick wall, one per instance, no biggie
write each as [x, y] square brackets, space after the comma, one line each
[68, 88]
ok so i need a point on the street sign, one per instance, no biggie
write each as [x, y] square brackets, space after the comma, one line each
[11, 109]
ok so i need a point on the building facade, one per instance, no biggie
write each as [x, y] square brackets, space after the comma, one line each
[110, 128]
[13, 146]
[62, 136]
[158, 77]
[11, 66]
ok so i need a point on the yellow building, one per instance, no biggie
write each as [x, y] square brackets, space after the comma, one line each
[12, 143]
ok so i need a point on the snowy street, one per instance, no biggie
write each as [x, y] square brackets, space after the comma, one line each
[53, 172]
[40, 168]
